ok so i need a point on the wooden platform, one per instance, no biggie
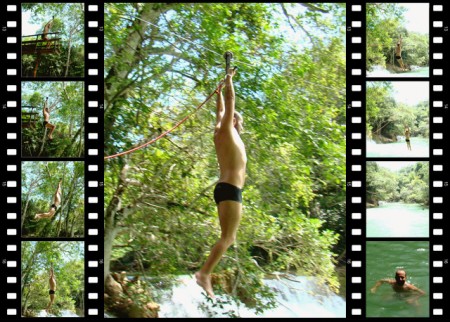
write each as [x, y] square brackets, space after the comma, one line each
[29, 119]
[36, 45]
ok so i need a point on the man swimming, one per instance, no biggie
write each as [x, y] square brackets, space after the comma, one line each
[399, 285]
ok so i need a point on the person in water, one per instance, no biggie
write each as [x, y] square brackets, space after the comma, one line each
[400, 285]
[232, 160]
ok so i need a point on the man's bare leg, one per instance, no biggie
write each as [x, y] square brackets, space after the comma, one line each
[229, 217]
[45, 214]
[52, 298]
[52, 128]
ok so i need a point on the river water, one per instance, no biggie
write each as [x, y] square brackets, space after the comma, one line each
[299, 298]
[420, 148]
[398, 220]
[382, 259]
[379, 71]
[64, 313]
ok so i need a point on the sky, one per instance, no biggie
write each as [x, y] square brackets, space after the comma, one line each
[411, 93]
[417, 17]
[27, 28]
[395, 165]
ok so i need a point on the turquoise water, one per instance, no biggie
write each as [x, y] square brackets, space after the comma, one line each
[398, 220]
[382, 260]
[382, 72]
[420, 148]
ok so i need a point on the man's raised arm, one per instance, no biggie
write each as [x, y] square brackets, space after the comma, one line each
[220, 106]
[227, 119]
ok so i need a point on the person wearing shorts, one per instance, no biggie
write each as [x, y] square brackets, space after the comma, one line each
[232, 160]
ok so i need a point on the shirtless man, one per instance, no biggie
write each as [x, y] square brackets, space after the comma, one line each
[47, 28]
[408, 138]
[398, 53]
[52, 286]
[54, 206]
[46, 112]
[232, 160]
[399, 285]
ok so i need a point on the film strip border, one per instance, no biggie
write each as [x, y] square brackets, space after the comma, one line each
[356, 161]
[11, 155]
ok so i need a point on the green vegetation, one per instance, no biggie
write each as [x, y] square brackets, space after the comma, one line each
[68, 61]
[384, 27]
[67, 260]
[67, 114]
[409, 185]
[160, 216]
[386, 119]
[39, 183]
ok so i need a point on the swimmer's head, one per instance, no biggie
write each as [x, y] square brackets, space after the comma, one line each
[400, 277]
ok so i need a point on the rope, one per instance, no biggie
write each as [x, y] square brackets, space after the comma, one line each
[166, 132]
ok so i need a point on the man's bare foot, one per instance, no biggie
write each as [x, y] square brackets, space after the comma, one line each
[205, 282]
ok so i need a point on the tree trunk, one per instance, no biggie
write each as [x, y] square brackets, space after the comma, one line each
[24, 214]
[43, 142]
[129, 53]
[69, 52]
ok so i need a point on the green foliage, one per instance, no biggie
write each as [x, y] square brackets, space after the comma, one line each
[68, 61]
[290, 88]
[384, 27]
[67, 260]
[67, 115]
[39, 183]
[409, 185]
[387, 119]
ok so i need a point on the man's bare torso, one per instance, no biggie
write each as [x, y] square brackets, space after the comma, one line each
[52, 283]
[231, 156]
[46, 116]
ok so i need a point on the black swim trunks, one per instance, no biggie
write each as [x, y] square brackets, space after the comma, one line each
[51, 292]
[45, 123]
[398, 57]
[225, 191]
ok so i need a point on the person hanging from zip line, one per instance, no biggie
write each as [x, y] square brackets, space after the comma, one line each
[46, 113]
[52, 289]
[232, 161]
[408, 138]
[54, 206]
[398, 54]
